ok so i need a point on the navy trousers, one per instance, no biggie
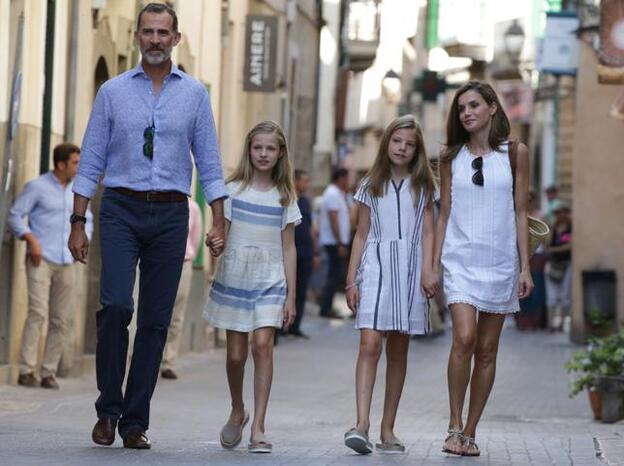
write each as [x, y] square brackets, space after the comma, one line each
[335, 276]
[152, 234]
[304, 270]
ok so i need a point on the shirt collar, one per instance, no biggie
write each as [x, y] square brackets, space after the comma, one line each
[138, 70]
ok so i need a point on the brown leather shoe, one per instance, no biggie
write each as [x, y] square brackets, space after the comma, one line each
[49, 382]
[27, 380]
[138, 440]
[168, 374]
[104, 431]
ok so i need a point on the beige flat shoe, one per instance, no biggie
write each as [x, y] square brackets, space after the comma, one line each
[259, 446]
[391, 447]
[231, 434]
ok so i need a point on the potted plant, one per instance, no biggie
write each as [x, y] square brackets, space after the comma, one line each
[600, 369]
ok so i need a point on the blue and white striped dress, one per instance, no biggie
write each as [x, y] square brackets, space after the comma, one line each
[389, 274]
[249, 288]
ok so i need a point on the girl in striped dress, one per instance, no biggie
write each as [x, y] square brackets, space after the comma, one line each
[254, 286]
[390, 273]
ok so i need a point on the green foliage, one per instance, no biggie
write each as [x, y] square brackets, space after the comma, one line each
[598, 320]
[603, 356]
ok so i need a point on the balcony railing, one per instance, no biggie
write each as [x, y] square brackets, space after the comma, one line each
[362, 33]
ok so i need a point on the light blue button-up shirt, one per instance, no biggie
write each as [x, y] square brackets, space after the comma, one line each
[181, 114]
[48, 205]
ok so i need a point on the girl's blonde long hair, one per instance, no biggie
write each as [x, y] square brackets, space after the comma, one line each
[419, 168]
[282, 174]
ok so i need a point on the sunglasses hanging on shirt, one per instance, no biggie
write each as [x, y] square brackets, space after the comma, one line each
[477, 177]
[148, 141]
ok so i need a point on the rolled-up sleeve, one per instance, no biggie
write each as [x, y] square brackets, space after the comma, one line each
[20, 209]
[94, 143]
[206, 152]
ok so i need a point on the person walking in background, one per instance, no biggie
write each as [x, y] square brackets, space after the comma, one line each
[50, 268]
[254, 286]
[532, 313]
[174, 334]
[142, 128]
[482, 243]
[390, 274]
[335, 232]
[558, 268]
[552, 197]
[306, 249]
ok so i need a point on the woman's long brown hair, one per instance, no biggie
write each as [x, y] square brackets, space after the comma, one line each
[421, 175]
[282, 174]
[456, 134]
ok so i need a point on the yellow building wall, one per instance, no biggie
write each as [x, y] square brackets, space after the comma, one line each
[598, 191]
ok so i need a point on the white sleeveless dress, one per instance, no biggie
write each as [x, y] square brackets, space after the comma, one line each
[480, 254]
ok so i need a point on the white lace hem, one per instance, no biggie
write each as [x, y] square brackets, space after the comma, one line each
[510, 307]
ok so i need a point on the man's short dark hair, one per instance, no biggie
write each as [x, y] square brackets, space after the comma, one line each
[552, 189]
[339, 173]
[63, 151]
[158, 8]
[299, 172]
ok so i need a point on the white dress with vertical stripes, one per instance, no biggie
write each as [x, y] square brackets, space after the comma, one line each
[480, 253]
[249, 288]
[389, 274]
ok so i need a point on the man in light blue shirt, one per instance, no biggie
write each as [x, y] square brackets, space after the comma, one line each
[50, 271]
[143, 127]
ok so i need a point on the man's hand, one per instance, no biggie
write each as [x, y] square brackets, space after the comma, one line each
[78, 242]
[33, 251]
[215, 239]
[343, 252]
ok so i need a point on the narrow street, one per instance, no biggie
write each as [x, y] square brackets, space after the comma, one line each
[530, 418]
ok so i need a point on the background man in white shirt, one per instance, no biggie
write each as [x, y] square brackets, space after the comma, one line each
[335, 231]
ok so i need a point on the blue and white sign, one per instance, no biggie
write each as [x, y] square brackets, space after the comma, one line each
[560, 47]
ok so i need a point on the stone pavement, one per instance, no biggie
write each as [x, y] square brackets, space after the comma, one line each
[530, 420]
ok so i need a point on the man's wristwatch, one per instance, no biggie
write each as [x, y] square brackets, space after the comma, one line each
[73, 218]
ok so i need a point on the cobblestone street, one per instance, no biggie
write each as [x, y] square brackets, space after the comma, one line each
[529, 420]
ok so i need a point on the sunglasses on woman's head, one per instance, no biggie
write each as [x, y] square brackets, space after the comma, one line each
[477, 164]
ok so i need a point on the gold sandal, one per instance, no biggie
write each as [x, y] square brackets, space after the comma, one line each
[469, 442]
[454, 433]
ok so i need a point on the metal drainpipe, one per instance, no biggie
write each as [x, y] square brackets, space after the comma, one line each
[46, 124]
[72, 74]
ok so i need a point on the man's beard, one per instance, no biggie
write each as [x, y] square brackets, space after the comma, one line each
[156, 59]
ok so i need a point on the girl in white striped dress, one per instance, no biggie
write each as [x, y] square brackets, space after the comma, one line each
[390, 273]
[254, 285]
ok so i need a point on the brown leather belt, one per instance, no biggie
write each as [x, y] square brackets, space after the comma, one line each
[153, 196]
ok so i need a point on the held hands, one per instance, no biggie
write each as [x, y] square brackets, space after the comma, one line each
[525, 285]
[78, 242]
[215, 239]
[430, 282]
[289, 313]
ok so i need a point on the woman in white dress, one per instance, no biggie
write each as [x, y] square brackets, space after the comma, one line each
[482, 245]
